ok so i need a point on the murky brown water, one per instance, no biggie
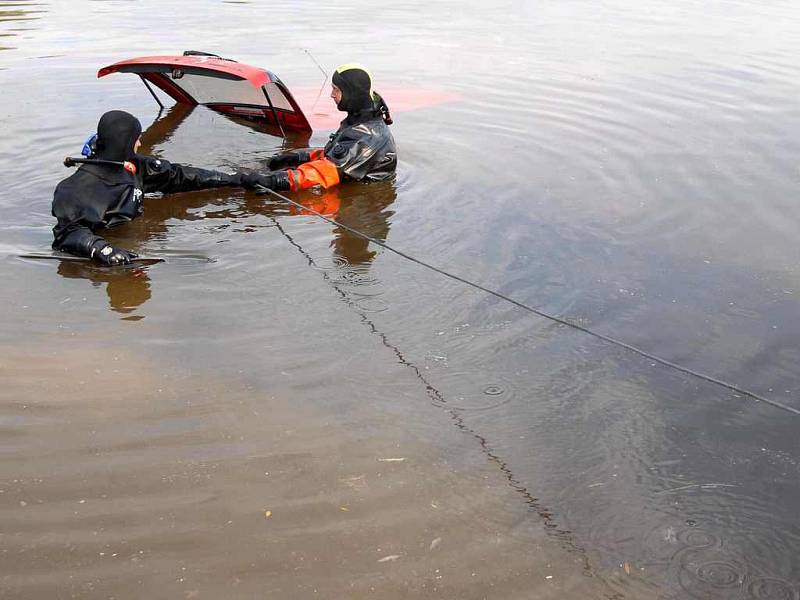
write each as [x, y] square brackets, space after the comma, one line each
[305, 415]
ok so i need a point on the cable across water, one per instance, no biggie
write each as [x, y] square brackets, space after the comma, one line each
[536, 311]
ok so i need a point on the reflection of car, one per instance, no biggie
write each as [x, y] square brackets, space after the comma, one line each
[221, 84]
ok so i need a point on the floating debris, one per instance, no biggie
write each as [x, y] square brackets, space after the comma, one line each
[390, 558]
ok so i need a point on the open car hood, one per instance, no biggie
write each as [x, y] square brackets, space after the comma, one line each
[221, 84]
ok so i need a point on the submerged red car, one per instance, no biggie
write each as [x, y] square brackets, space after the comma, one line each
[241, 90]
[221, 84]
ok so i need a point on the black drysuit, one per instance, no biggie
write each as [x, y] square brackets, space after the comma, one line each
[99, 196]
[362, 149]
[104, 196]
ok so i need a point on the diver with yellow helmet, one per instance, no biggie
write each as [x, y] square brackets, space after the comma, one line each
[362, 149]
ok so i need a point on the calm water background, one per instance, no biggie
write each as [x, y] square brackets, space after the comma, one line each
[630, 165]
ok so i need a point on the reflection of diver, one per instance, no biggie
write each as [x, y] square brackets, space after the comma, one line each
[364, 208]
[360, 207]
[127, 288]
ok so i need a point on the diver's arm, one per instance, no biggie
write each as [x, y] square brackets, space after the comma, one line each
[163, 176]
[320, 168]
[295, 158]
[75, 238]
[300, 170]
[79, 240]
[76, 222]
[320, 172]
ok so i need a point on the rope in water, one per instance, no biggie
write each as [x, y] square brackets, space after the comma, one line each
[536, 311]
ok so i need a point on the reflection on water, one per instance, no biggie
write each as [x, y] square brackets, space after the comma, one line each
[20, 10]
[293, 139]
[164, 127]
[12, 13]
[127, 287]
[700, 565]
[365, 210]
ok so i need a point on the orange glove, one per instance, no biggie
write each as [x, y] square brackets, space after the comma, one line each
[320, 172]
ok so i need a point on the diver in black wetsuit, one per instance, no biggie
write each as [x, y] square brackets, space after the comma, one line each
[109, 192]
[362, 149]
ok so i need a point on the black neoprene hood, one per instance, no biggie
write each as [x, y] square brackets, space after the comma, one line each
[356, 86]
[117, 132]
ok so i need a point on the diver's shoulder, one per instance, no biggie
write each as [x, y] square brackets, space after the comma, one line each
[151, 165]
[70, 181]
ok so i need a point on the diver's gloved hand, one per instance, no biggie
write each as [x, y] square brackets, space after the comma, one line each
[278, 181]
[288, 159]
[109, 255]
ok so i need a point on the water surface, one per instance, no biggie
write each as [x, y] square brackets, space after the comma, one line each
[631, 166]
